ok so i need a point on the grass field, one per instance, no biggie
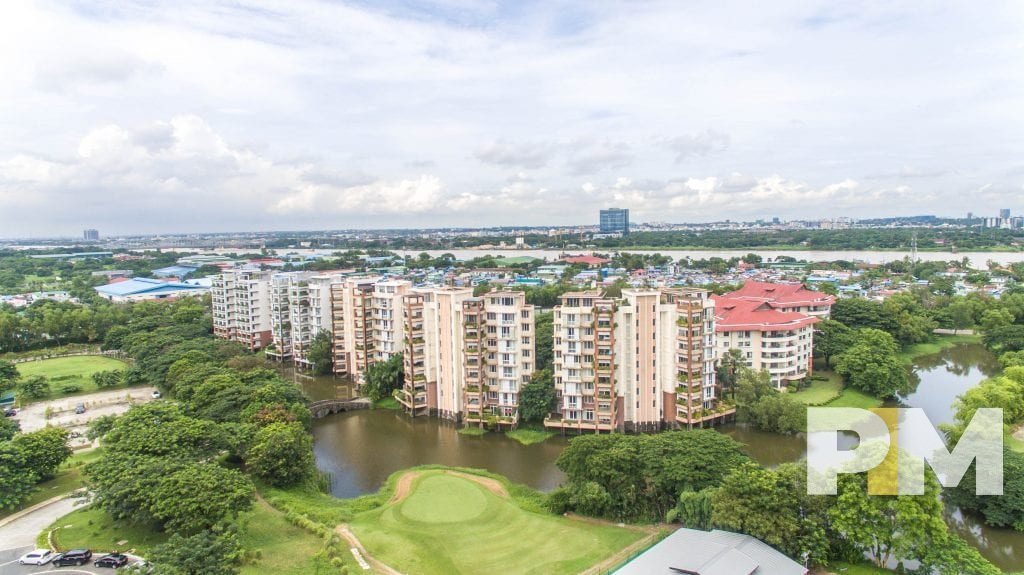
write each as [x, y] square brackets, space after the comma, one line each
[76, 370]
[272, 544]
[528, 436]
[451, 524]
[821, 392]
[854, 398]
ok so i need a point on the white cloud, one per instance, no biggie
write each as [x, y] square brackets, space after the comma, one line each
[204, 115]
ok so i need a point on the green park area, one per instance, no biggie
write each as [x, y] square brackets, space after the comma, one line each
[441, 523]
[70, 372]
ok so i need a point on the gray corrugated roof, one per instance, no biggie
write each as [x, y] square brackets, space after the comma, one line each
[711, 553]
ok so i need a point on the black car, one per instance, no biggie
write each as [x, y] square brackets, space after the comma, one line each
[113, 560]
[10, 412]
[73, 557]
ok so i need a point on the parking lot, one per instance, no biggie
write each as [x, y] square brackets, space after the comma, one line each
[62, 411]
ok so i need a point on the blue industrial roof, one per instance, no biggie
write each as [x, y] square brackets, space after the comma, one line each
[143, 285]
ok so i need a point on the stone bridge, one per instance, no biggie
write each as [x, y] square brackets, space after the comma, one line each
[326, 407]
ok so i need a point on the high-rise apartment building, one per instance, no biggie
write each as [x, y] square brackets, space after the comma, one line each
[615, 221]
[301, 307]
[642, 362]
[241, 300]
[352, 325]
[91, 235]
[466, 358]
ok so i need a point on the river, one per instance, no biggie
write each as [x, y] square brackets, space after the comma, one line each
[360, 449]
[978, 259]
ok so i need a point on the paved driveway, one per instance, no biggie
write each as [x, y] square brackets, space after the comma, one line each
[113, 402]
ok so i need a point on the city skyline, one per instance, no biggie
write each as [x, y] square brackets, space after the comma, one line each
[312, 115]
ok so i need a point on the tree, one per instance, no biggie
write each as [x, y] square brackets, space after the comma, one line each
[8, 376]
[694, 509]
[33, 387]
[961, 315]
[859, 313]
[281, 454]
[1003, 339]
[542, 339]
[643, 475]
[110, 378]
[872, 365]
[751, 386]
[995, 318]
[210, 552]
[729, 368]
[383, 377]
[1006, 510]
[44, 450]
[17, 481]
[777, 413]
[1012, 359]
[884, 527]
[161, 429]
[831, 338]
[321, 353]
[537, 398]
[8, 427]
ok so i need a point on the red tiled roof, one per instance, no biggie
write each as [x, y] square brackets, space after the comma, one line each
[781, 294]
[736, 314]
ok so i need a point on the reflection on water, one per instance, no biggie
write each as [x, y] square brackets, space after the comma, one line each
[360, 449]
[317, 387]
[939, 378]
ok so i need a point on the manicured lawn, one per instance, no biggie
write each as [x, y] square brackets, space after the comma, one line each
[272, 544]
[76, 370]
[528, 436]
[282, 547]
[855, 398]
[450, 524]
[94, 529]
[69, 478]
[820, 392]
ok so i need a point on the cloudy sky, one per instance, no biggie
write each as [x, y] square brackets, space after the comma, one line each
[137, 117]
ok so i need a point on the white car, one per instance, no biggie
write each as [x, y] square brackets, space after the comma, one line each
[156, 394]
[37, 557]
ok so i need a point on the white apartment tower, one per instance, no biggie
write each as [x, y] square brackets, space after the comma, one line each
[241, 301]
[642, 362]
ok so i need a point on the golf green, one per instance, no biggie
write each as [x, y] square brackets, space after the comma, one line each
[443, 522]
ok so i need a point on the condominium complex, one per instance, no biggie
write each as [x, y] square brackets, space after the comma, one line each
[642, 362]
[786, 297]
[241, 307]
[467, 357]
[772, 324]
[300, 308]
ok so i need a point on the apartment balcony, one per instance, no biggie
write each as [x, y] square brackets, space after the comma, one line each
[700, 415]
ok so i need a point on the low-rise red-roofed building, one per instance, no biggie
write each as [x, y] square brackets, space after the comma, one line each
[769, 332]
[786, 297]
[592, 261]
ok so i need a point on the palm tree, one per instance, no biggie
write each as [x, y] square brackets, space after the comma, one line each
[728, 367]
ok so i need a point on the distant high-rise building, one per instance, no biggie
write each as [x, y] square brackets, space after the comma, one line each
[1004, 214]
[91, 235]
[615, 221]
[970, 215]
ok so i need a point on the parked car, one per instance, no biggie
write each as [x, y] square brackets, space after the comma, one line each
[156, 394]
[36, 557]
[112, 560]
[73, 557]
[80, 408]
[10, 412]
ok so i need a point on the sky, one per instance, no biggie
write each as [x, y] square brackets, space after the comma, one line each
[208, 116]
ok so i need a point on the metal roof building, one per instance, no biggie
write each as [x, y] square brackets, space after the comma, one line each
[695, 552]
[139, 289]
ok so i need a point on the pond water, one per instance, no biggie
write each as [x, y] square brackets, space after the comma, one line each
[360, 449]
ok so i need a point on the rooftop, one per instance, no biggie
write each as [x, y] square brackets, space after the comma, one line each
[696, 552]
[736, 314]
[138, 286]
[781, 294]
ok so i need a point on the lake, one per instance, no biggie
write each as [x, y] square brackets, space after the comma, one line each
[359, 450]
